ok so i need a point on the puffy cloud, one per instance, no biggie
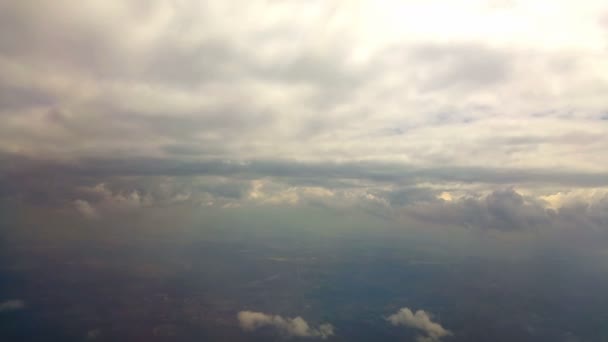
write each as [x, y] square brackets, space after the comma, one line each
[468, 197]
[420, 320]
[268, 192]
[289, 327]
[508, 210]
[86, 209]
[12, 305]
[102, 199]
[118, 200]
[505, 210]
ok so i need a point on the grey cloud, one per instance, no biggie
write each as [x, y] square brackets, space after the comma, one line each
[185, 149]
[594, 214]
[402, 174]
[93, 187]
[184, 65]
[403, 197]
[102, 44]
[17, 96]
[128, 94]
[527, 142]
[507, 210]
[419, 320]
[328, 71]
[461, 65]
[504, 210]
[99, 38]
[220, 120]
[289, 327]
[61, 35]
[143, 79]
[44, 181]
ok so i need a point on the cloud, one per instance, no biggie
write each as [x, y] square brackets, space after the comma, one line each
[12, 305]
[505, 199]
[289, 327]
[461, 65]
[421, 321]
[167, 80]
[383, 111]
[86, 209]
[508, 210]
[102, 199]
[505, 210]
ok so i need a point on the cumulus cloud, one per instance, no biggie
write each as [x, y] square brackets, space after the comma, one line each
[12, 305]
[102, 199]
[86, 209]
[468, 197]
[420, 320]
[509, 210]
[505, 210]
[289, 327]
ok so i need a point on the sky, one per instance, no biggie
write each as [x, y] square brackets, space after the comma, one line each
[485, 118]
[388, 102]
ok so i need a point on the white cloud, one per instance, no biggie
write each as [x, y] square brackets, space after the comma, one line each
[290, 327]
[419, 320]
[103, 200]
[12, 305]
[86, 209]
[268, 192]
[118, 200]
[404, 82]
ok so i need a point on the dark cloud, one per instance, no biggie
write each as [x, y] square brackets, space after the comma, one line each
[18, 165]
[90, 185]
[404, 197]
[504, 210]
[581, 214]
[507, 210]
[35, 177]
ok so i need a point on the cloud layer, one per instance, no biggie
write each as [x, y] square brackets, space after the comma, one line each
[342, 82]
[476, 119]
[289, 327]
[419, 320]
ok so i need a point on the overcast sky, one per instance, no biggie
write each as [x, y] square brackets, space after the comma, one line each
[492, 113]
